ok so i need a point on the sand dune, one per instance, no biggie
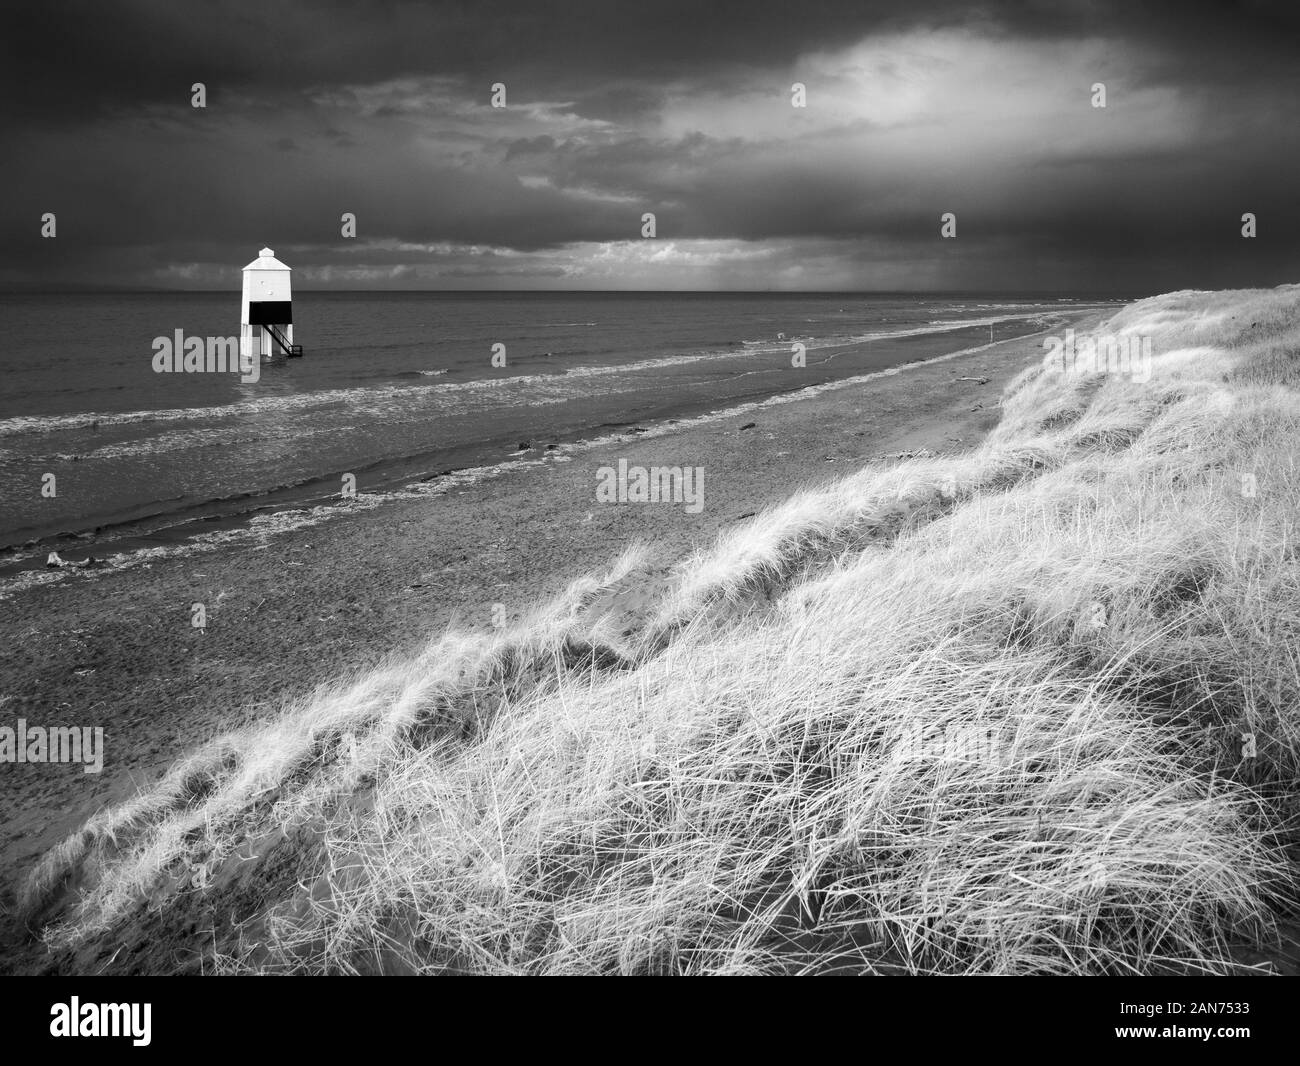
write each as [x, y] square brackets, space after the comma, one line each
[1026, 709]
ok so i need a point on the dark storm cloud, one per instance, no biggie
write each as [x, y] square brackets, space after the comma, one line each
[66, 60]
[79, 58]
[681, 109]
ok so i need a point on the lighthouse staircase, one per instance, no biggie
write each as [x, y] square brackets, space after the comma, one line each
[291, 351]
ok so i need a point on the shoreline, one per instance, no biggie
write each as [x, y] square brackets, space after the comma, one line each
[203, 525]
[115, 648]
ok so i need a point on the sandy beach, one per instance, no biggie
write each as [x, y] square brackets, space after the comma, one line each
[117, 650]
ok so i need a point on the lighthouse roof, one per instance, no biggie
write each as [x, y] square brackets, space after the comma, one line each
[266, 260]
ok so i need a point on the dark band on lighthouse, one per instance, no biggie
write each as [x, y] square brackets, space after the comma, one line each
[270, 313]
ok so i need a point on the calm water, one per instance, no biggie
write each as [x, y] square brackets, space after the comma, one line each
[397, 386]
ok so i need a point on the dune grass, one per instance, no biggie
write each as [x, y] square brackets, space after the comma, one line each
[1028, 709]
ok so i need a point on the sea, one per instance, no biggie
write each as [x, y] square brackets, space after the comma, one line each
[397, 393]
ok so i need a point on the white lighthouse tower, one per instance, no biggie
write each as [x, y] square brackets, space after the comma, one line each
[266, 316]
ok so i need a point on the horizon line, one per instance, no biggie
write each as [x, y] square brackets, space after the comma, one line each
[106, 290]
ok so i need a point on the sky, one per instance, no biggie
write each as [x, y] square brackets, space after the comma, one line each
[384, 111]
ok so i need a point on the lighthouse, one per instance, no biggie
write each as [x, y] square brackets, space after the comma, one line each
[266, 315]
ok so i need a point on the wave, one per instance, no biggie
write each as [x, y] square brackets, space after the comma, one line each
[259, 529]
[282, 403]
